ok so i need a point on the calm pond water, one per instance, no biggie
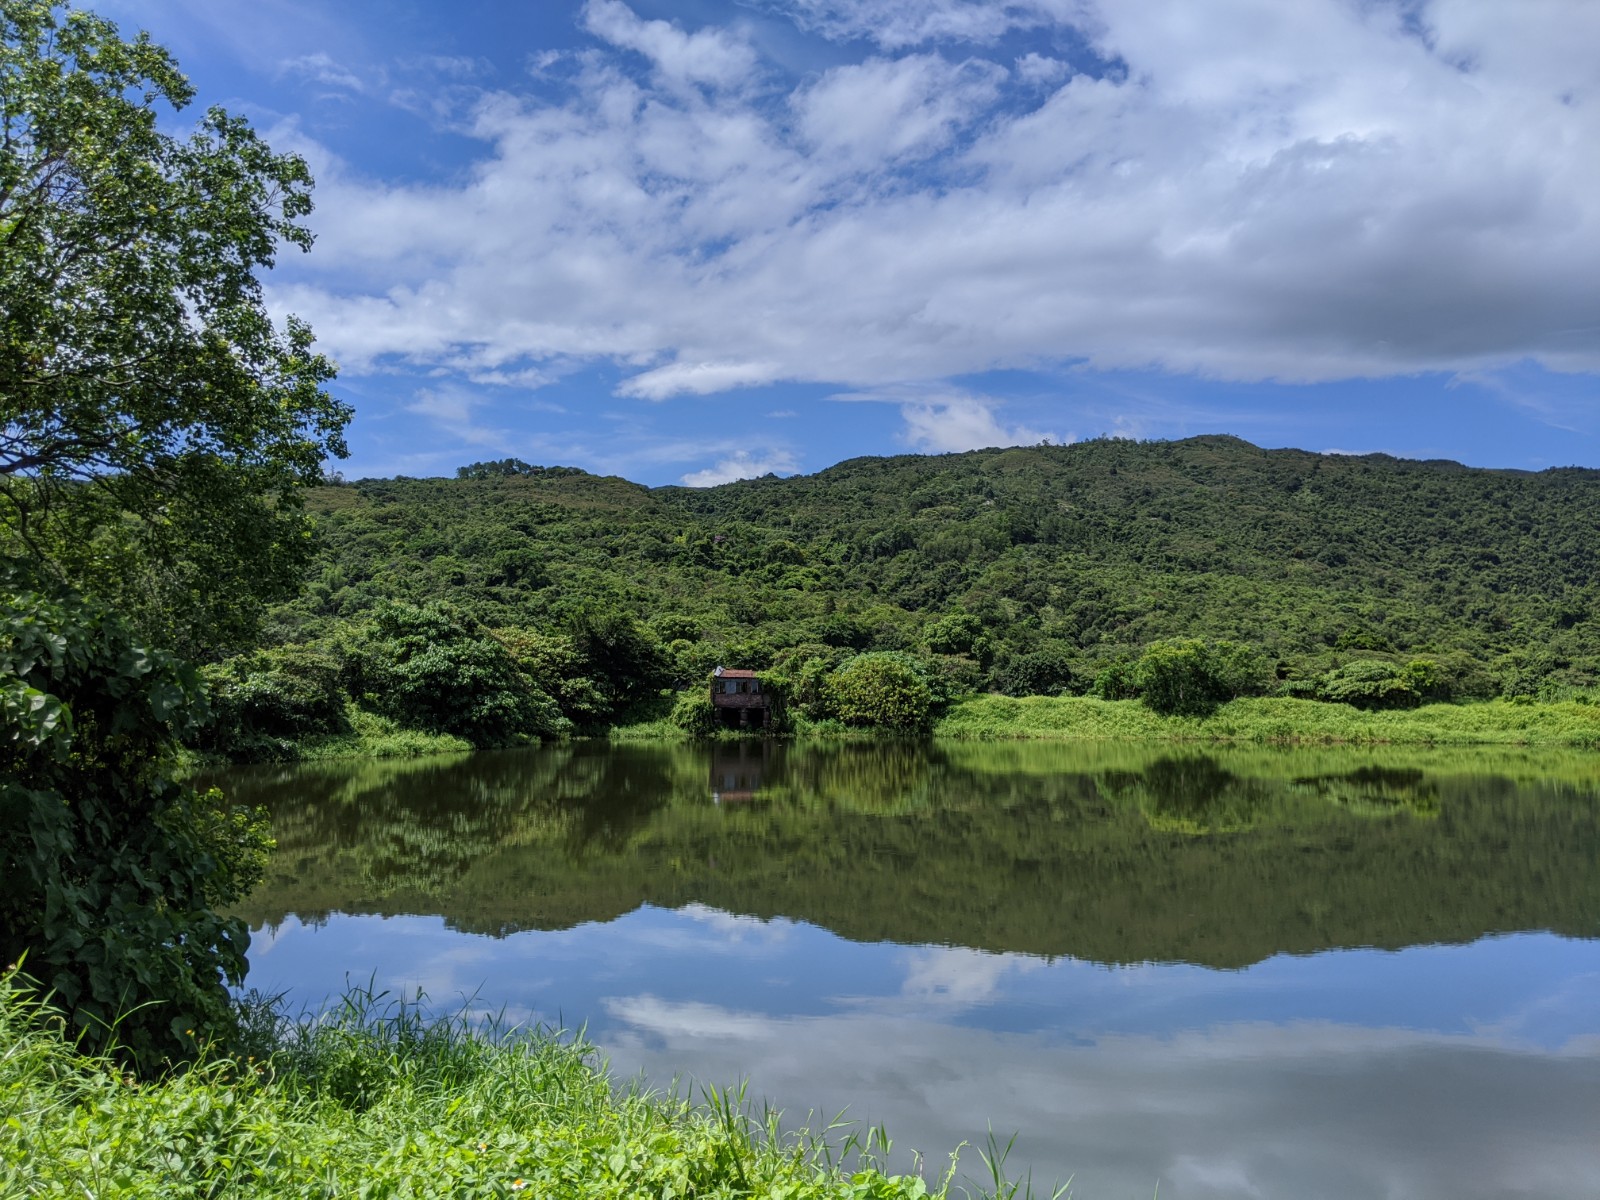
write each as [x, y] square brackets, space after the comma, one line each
[1295, 974]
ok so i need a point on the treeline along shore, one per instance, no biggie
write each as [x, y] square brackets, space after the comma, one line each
[519, 602]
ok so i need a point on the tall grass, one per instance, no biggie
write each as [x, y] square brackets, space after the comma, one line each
[375, 1099]
[375, 736]
[1278, 720]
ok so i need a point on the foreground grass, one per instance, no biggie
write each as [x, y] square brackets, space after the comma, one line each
[386, 1104]
[1277, 720]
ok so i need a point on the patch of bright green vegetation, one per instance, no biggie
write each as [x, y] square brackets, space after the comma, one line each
[1277, 720]
[375, 736]
[381, 1102]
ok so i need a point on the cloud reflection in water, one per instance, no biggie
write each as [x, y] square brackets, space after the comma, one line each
[1459, 1071]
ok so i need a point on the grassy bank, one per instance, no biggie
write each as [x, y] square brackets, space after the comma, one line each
[1260, 720]
[367, 735]
[386, 1105]
[1278, 720]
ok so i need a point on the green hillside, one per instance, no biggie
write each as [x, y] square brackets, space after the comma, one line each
[1083, 551]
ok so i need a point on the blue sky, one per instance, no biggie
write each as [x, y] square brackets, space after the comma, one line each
[685, 242]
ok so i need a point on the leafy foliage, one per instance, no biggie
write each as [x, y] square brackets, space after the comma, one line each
[111, 873]
[1377, 683]
[882, 690]
[1047, 671]
[261, 702]
[1045, 569]
[1191, 677]
[156, 427]
[431, 668]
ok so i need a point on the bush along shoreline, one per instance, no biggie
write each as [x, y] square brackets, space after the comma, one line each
[427, 681]
[375, 1099]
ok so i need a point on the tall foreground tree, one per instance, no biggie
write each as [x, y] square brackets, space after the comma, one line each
[156, 425]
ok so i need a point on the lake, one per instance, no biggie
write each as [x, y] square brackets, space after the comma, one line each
[1223, 972]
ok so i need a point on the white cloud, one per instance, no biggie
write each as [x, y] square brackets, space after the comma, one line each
[897, 24]
[1040, 69]
[710, 56]
[321, 68]
[451, 408]
[885, 109]
[963, 423]
[959, 977]
[700, 378]
[1119, 1112]
[743, 465]
[1298, 192]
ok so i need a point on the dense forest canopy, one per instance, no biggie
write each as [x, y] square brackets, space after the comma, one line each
[1026, 570]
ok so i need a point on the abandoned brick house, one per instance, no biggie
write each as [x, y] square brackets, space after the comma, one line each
[738, 699]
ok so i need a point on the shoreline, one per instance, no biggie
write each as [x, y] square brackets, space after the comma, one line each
[1275, 721]
[1258, 721]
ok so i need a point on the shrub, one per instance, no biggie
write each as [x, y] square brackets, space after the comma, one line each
[111, 873]
[1373, 683]
[1048, 671]
[694, 713]
[1191, 677]
[1115, 681]
[881, 690]
[437, 670]
[280, 694]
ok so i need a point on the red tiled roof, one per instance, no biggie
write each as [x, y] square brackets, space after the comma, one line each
[732, 673]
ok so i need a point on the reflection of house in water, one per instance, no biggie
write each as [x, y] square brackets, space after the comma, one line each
[739, 700]
[737, 772]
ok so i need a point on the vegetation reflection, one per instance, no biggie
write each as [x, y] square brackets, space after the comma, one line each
[1109, 852]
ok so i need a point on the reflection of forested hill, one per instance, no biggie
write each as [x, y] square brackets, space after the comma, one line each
[1116, 855]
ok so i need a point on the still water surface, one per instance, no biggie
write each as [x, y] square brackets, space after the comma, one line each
[1285, 974]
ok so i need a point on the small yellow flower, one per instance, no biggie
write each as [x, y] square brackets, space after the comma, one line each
[518, 1184]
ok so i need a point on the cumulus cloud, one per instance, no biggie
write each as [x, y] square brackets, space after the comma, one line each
[1314, 191]
[1238, 1110]
[742, 465]
[710, 56]
[964, 423]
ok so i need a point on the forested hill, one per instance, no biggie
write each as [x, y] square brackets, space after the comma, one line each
[1076, 553]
